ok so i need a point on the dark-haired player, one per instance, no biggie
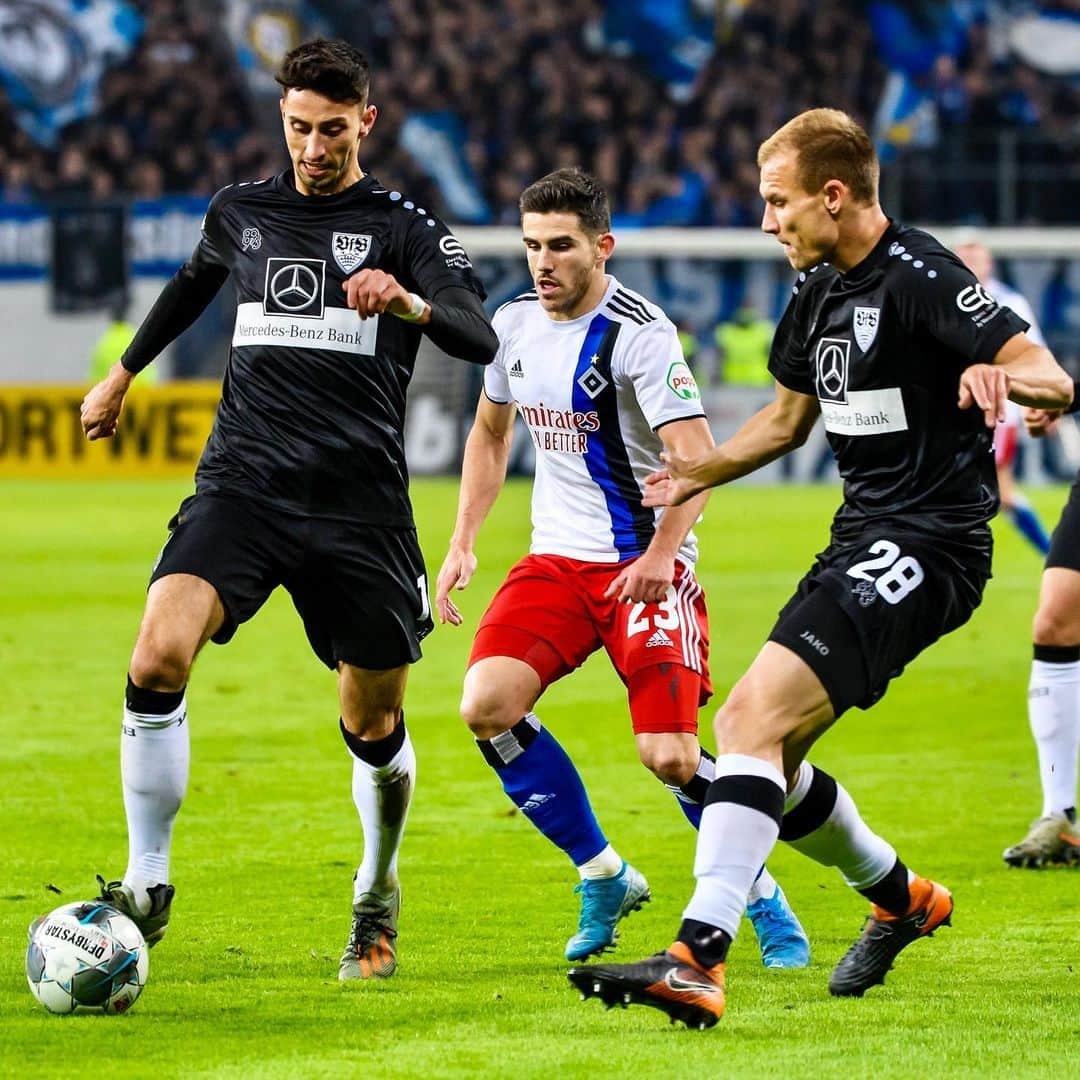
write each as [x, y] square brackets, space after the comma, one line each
[303, 480]
[892, 341]
[596, 372]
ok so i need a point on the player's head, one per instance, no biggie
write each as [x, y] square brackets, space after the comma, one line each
[324, 107]
[817, 173]
[974, 254]
[566, 226]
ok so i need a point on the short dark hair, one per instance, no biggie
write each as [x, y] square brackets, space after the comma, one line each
[332, 68]
[571, 191]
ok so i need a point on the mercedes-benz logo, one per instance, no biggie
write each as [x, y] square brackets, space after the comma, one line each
[831, 369]
[294, 287]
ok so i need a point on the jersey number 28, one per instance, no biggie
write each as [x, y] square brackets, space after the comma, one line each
[902, 572]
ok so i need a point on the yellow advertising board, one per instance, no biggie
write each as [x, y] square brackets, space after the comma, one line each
[162, 432]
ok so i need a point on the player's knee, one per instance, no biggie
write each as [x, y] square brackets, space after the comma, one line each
[1056, 624]
[160, 662]
[671, 762]
[486, 712]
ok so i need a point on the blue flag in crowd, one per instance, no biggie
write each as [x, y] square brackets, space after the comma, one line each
[52, 55]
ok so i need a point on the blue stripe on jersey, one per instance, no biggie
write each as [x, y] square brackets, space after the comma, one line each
[632, 525]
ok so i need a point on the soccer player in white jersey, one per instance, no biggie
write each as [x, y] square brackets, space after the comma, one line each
[1014, 503]
[597, 374]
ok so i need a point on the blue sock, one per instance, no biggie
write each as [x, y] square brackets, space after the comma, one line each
[691, 796]
[1027, 521]
[541, 780]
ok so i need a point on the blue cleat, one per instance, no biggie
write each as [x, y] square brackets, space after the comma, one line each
[783, 941]
[604, 902]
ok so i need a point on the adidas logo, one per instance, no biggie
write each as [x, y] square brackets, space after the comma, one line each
[536, 800]
[658, 639]
[516, 370]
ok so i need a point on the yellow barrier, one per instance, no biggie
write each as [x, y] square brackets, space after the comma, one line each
[162, 431]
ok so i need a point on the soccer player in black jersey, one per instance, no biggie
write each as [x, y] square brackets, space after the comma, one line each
[908, 361]
[303, 481]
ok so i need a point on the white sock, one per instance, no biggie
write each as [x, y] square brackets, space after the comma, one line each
[1054, 715]
[155, 755]
[764, 887]
[733, 842]
[382, 794]
[843, 840]
[606, 864]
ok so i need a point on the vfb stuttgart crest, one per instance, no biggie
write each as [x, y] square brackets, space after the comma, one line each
[864, 323]
[350, 249]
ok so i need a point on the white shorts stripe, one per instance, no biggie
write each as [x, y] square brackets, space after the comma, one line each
[688, 592]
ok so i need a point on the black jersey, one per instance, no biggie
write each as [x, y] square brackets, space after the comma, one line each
[313, 401]
[882, 347]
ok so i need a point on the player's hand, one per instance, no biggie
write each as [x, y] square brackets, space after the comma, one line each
[646, 580]
[987, 387]
[1040, 422]
[373, 292]
[457, 570]
[100, 411]
[671, 486]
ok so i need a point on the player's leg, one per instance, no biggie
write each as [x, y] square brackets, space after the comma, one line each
[535, 631]
[362, 594]
[665, 696]
[663, 705]
[1054, 704]
[182, 612]
[777, 697]
[214, 571]
[383, 778]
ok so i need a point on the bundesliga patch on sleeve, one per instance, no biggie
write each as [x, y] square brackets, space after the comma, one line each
[681, 382]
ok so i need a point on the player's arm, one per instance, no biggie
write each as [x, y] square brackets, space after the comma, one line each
[483, 472]
[178, 305]
[1023, 371]
[648, 577]
[784, 424]
[454, 318]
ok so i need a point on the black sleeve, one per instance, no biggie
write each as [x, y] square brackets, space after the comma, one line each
[788, 357]
[434, 259]
[460, 326]
[946, 301]
[186, 295]
[1075, 406]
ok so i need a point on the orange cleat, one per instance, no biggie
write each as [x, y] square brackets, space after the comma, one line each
[867, 962]
[671, 981]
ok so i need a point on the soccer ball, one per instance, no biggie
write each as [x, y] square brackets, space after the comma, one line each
[86, 957]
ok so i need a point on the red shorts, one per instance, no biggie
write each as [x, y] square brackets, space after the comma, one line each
[552, 614]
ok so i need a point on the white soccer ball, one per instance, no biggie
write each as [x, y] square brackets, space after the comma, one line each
[86, 957]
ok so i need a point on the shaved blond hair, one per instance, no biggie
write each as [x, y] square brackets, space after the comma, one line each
[828, 145]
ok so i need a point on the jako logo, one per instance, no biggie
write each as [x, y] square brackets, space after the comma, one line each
[680, 380]
[815, 642]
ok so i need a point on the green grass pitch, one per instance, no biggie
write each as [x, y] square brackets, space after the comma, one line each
[245, 983]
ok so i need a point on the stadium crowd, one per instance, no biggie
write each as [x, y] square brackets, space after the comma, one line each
[533, 88]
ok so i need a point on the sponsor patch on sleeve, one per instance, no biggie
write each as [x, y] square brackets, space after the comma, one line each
[681, 382]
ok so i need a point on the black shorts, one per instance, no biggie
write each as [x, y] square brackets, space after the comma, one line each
[1065, 543]
[361, 590]
[866, 609]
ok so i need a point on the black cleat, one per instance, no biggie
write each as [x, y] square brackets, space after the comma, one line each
[868, 961]
[670, 981]
[151, 925]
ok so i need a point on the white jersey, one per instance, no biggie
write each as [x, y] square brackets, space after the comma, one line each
[593, 391]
